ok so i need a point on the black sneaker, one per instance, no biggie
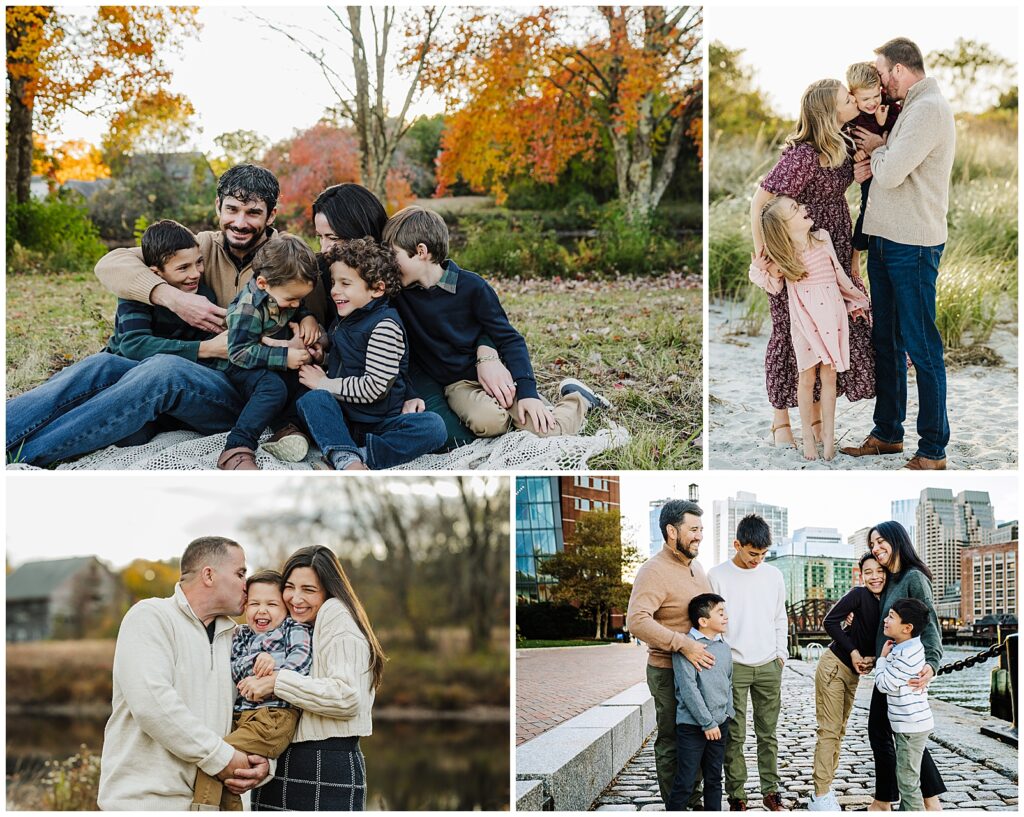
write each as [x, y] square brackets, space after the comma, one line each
[571, 385]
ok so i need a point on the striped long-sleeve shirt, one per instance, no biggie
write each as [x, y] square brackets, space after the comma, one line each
[908, 710]
[252, 316]
[384, 351]
[290, 645]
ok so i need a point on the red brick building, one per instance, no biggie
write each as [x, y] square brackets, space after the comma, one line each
[988, 581]
[582, 494]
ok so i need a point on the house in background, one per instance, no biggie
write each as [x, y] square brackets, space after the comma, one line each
[61, 598]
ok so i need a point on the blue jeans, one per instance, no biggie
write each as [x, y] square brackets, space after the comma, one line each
[265, 395]
[902, 280]
[392, 441]
[106, 399]
[693, 752]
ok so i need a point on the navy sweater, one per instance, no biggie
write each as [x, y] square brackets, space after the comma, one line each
[861, 636]
[445, 322]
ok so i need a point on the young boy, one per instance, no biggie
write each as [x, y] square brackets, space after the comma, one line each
[703, 707]
[758, 638]
[877, 115]
[283, 273]
[354, 408]
[910, 716]
[445, 310]
[269, 640]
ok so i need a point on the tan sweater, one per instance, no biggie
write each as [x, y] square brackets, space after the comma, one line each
[336, 698]
[657, 613]
[124, 273]
[171, 707]
[909, 193]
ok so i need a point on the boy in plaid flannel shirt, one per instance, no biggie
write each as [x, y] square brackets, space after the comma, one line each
[269, 640]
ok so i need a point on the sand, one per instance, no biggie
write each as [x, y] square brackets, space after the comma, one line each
[981, 401]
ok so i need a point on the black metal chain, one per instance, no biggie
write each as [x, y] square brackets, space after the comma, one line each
[970, 661]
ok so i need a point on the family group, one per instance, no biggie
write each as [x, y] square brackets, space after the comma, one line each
[716, 639]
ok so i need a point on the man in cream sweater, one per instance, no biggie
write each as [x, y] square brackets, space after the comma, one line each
[173, 692]
[906, 221]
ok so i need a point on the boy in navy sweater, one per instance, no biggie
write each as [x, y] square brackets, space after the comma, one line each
[354, 408]
[445, 310]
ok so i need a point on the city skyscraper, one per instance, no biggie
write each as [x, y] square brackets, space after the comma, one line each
[727, 514]
[656, 540]
[904, 511]
[988, 580]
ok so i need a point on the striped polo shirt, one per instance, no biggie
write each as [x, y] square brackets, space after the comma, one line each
[908, 710]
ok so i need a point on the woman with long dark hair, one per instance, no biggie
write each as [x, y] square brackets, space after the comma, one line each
[323, 768]
[909, 578]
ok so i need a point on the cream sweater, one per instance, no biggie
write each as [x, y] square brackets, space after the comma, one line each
[337, 695]
[171, 707]
[909, 193]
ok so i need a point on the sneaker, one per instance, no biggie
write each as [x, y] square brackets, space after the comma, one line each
[827, 802]
[773, 802]
[237, 459]
[288, 444]
[571, 385]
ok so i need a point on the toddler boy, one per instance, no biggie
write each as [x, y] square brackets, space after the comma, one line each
[268, 641]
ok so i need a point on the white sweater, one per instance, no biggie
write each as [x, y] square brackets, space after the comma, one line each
[171, 707]
[755, 602]
[909, 711]
[337, 696]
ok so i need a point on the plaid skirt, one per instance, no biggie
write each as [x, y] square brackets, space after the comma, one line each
[316, 775]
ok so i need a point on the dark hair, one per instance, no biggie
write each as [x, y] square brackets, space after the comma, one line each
[903, 51]
[163, 239]
[865, 557]
[913, 612]
[336, 585]
[700, 606]
[416, 225]
[352, 211]
[285, 258]
[906, 557]
[249, 183]
[673, 511]
[374, 263]
[206, 550]
[265, 577]
[754, 531]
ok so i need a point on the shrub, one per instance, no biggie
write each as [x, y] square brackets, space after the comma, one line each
[73, 784]
[55, 235]
[549, 621]
[627, 248]
[505, 246]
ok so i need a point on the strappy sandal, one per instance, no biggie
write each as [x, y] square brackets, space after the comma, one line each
[779, 428]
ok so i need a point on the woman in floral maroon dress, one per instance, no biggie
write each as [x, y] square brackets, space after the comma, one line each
[815, 169]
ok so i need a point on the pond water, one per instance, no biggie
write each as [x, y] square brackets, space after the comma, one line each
[410, 765]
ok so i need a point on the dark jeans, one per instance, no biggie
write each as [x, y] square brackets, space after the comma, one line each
[883, 748]
[694, 753]
[432, 394]
[265, 395]
[860, 241]
[106, 399]
[902, 280]
[389, 442]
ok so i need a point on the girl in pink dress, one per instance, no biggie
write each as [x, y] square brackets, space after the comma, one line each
[820, 294]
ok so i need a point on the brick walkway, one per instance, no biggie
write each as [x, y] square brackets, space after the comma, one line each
[970, 782]
[557, 683]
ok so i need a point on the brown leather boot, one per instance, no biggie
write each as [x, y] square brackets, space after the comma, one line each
[918, 463]
[873, 446]
[237, 459]
[773, 802]
[735, 804]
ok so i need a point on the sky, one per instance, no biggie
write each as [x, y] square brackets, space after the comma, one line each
[789, 48]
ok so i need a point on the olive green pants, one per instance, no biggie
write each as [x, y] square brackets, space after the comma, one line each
[661, 683]
[764, 685]
[909, 751]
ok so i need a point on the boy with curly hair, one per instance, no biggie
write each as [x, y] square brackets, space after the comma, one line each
[354, 409]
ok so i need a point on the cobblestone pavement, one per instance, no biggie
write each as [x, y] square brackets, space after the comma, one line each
[970, 784]
[557, 683]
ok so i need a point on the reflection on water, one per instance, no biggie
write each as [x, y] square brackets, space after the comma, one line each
[410, 766]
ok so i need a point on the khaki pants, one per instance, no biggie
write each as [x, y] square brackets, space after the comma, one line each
[482, 414]
[835, 685]
[764, 683]
[265, 731]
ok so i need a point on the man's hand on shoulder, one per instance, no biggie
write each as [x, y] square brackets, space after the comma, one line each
[195, 310]
[255, 772]
[696, 654]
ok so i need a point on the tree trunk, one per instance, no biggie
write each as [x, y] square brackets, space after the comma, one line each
[22, 28]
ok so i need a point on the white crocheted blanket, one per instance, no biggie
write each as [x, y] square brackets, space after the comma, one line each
[518, 450]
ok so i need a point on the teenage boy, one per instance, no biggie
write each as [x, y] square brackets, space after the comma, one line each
[658, 614]
[703, 707]
[909, 713]
[757, 635]
[445, 310]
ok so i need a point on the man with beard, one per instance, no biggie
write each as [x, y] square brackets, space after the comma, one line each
[125, 401]
[658, 616]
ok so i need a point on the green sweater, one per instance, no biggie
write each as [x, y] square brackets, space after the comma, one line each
[912, 584]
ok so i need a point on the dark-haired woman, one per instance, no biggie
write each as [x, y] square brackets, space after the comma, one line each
[848, 657]
[343, 212]
[909, 578]
[323, 769]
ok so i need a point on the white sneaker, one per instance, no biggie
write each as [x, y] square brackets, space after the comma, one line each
[827, 802]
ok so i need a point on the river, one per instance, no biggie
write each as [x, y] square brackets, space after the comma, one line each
[435, 765]
[966, 687]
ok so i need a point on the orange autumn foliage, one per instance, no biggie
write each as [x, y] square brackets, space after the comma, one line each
[74, 159]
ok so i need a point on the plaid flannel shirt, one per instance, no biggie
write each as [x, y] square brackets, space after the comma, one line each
[252, 316]
[290, 645]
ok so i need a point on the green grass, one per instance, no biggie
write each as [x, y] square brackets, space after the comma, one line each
[638, 341]
[535, 643]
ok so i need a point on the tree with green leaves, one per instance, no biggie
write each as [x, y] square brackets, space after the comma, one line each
[736, 106]
[976, 73]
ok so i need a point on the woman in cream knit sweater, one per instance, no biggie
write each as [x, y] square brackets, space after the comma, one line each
[323, 768]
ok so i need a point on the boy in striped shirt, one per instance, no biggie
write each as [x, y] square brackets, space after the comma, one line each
[354, 409]
[909, 714]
